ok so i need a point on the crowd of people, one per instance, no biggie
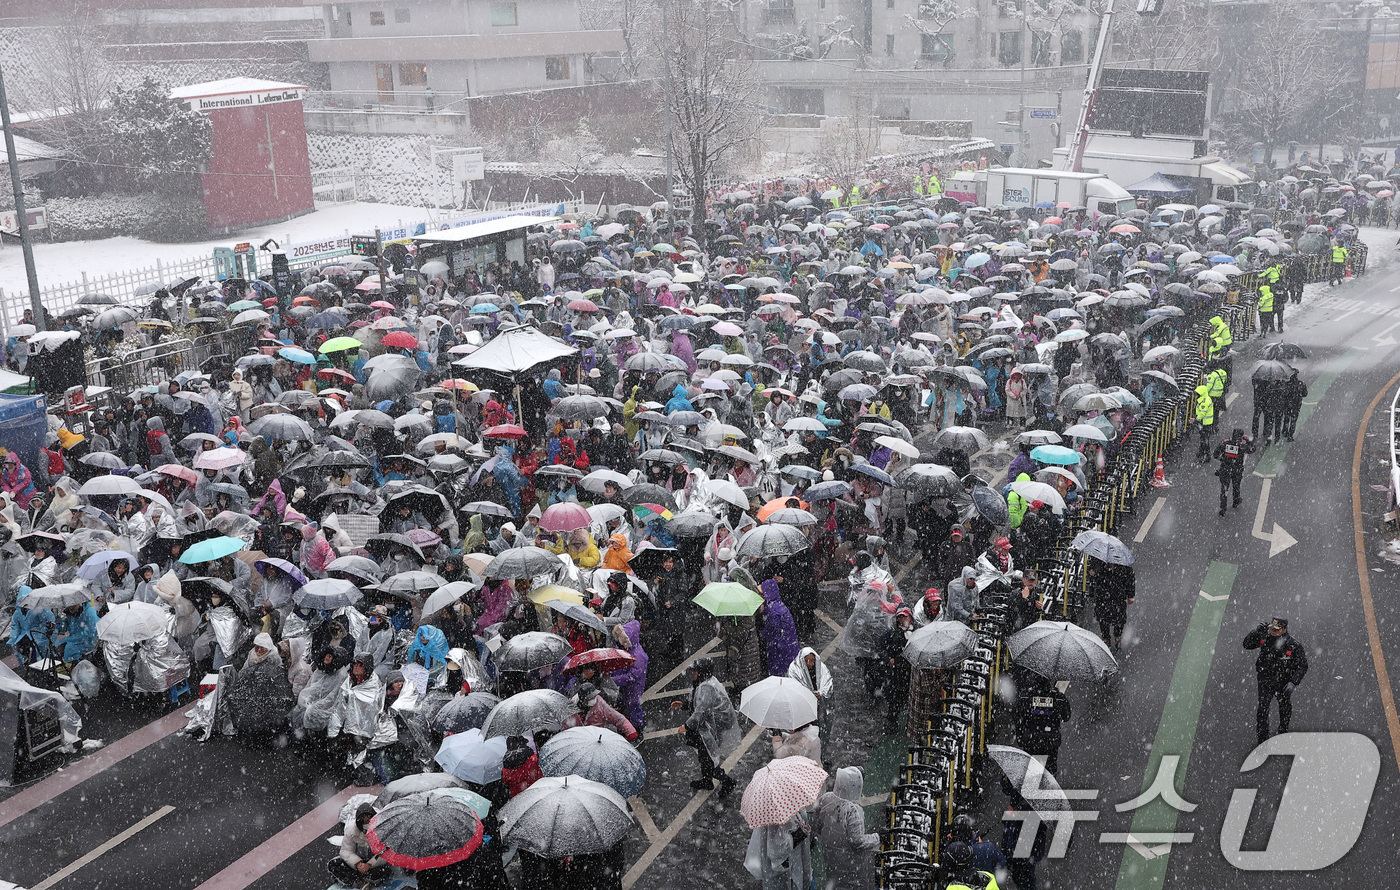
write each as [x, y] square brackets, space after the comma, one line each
[506, 501]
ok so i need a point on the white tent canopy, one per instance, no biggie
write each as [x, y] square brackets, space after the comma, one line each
[515, 350]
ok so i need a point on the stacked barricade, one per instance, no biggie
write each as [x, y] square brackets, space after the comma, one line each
[938, 779]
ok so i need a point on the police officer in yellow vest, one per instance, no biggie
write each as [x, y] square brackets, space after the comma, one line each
[1216, 381]
[1269, 311]
[1220, 337]
[854, 197]
[935, 186]
[1205, 416]
[918, 185]
[961, 875]
[1340, 255]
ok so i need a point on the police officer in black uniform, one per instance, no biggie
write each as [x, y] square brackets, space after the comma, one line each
[1231, 454]
[1039, 714]
[1281, 666]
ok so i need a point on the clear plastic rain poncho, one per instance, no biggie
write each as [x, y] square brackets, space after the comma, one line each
[150, 666]
[871, 616]
[713, 718]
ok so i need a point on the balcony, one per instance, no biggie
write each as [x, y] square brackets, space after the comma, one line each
[450, 47]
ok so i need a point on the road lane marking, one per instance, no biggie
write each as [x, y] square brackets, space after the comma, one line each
[1368, 605]
[1151, 518]
[102, 849]
[1176, 732]
[1279, 540]
[639, 809]
[1230, 399]
[658, 689]
[269, 854]
[667, 835]
[74, 775]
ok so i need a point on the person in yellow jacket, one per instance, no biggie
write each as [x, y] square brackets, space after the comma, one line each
[1340, 255]
[935, 186]
[1205, 416]
[853, 198]
[1216, 382]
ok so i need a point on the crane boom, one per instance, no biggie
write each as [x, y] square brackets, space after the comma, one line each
[1091, 92]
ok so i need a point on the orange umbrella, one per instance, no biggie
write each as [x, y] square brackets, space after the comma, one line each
[306, 301]
[777, 504]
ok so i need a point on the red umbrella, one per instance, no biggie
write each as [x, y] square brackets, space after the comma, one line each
[425, 831]
[582, 305]
[603, 660]
[399, 338]
[505, 431]
[564, 517]
[335, 374]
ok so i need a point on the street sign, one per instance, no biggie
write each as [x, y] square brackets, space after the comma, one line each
[243, 249]
[1042, 114]
[469, 165]
[364, 245]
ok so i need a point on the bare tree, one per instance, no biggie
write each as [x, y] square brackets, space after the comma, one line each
[848, 143]
[1289, 83]
[934, 17]
[640, 23]
[712, 94]
[1181, 37]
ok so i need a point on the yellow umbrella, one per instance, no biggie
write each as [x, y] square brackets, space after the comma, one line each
[541, 595]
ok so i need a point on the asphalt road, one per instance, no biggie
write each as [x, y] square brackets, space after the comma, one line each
[222, 815]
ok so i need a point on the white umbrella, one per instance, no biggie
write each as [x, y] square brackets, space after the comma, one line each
[1040, 491]
[134, 622]
[779, 703]
[1086, 431]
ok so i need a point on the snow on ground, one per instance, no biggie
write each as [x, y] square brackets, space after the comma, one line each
[68, 261]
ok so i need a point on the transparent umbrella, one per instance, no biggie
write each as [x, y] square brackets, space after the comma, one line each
[565, 816]
[597, 754]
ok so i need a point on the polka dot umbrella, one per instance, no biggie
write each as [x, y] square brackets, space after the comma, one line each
[781, 790]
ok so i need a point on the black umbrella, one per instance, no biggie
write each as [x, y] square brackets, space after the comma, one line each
[464, 712]
[646, 563]
[991, 505]
[648, 493]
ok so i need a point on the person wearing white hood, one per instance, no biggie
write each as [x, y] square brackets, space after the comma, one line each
[847, 848]
[809, 670]
[60, 510]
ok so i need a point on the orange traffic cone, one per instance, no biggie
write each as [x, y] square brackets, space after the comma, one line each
[1348, 271]
[1159, 476]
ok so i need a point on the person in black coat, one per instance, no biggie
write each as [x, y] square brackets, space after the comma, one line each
[1294, 391]
[1039, 713]
[1281, 666]
[1113, 588]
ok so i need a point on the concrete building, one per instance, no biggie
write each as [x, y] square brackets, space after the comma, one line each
[979, 61]
[430, 54]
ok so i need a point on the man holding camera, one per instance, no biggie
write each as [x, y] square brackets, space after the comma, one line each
[1281, 665]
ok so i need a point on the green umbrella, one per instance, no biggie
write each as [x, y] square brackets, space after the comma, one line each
[244, 304]
[727, 599]
[340, 344]
[214, 548]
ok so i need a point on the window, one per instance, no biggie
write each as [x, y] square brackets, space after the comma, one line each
[821, 4]
[556, 67]
[1009, 48]
[401, 17]
[503, 15]
[376, 18]
[889, 44]
[346, 10]
[796, 101]
[1009, 8]
[889, 4]
[1072, 47]
[936, 47]
[413, 74]
[1042, 54]
[780, 11]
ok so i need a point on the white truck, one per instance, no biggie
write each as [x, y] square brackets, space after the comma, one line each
[1024, 188]
[1129, 160]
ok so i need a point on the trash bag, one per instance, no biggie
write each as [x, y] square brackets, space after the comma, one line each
[871, 616]
[86, 678]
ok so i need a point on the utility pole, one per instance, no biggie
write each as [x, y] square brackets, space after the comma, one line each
[18, 184]
[670, 151]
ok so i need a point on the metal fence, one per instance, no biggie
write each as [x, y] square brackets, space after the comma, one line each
[126, 285]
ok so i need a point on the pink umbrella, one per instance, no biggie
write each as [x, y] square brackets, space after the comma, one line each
[175, 471]
[382, 304]
[564, 517]
[728, 329]
[781, 790]
[219, 459]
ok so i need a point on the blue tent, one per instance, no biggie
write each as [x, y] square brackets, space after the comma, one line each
[1159, 186]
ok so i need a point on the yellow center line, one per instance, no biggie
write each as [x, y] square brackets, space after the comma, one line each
[1368, 606]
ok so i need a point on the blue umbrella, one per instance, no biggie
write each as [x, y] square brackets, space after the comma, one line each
[301, 356]
[485, 309]
[1056, 454]
[826, 491]
[873, 472]
[976, 260]
[1222, 258]
[212, 549]
[597, 754]
[472, 758]
[326, 321]
[296, 573]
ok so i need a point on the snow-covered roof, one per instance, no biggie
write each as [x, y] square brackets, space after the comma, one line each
[229, 86]
[27, 149]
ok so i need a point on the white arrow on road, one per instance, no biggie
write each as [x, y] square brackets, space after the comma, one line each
[1279, 540]
[1384, 338]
